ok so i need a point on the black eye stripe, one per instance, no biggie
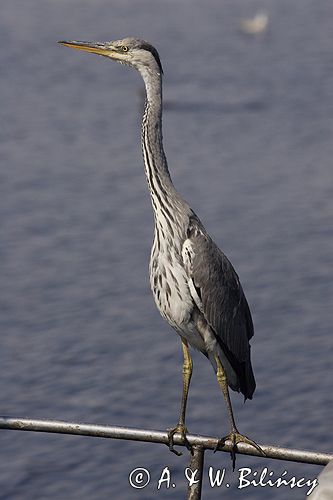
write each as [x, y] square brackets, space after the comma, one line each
[154, 52]
[145, 46]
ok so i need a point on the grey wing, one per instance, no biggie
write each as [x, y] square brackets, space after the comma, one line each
[223, 303]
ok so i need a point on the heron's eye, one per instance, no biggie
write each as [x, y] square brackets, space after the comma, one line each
[124, 48]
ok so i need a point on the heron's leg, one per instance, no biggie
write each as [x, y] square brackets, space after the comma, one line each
[234, 436]
[187, 374]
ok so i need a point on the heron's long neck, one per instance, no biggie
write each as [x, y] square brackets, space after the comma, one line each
[165, 199]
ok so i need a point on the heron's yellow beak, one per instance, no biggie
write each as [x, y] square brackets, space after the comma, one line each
[96, 48]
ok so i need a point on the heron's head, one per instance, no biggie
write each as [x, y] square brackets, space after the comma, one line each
[131, 51]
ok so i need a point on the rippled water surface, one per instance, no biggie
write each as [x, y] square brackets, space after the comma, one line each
[248, 129]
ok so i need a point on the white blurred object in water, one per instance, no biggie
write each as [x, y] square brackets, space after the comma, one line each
[324, 490]
[256, 24]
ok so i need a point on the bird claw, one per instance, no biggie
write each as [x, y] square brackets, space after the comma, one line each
[235, 437]
[182, 430]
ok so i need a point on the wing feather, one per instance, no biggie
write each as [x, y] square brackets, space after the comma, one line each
[224, 304]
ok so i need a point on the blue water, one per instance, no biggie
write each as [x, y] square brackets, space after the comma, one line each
[248, 130]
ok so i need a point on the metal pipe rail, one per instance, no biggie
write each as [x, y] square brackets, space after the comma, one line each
[115, 432]
[199, 443]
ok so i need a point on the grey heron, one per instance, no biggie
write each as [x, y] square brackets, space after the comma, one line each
[195, 287]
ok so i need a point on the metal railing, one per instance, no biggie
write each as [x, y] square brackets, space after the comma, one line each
[199, 443]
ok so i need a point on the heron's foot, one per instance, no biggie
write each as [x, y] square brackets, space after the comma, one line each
[182, 430]
[235, 437]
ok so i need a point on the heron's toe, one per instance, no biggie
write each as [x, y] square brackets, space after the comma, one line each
[182, 430]
[235, 437]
